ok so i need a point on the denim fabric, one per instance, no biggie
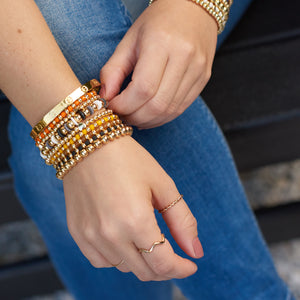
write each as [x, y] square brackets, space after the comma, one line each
[192, 149]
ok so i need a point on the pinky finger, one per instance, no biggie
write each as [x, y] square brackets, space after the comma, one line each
[98, 261]
[121, 266]
[95, 258]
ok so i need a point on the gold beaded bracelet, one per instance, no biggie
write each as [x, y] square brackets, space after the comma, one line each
[75, 135]
[218, 9]
[83, 141]
[96, 144]
[69, 132]
[86, 141]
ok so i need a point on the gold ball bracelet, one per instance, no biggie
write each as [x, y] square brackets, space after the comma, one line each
[76, 127]
[218, 9]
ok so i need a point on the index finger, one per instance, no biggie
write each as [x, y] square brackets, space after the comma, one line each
[146, 78]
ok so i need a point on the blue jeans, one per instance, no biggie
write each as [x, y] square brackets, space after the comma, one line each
[193, 151]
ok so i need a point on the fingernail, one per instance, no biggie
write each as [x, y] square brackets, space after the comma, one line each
[197, 248]
[102, 91]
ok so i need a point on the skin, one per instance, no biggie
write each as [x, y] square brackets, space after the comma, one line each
[109, 224]
[170, 50]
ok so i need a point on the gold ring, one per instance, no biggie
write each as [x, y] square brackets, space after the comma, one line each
[153, 245]
[170, 205]
[118, 263]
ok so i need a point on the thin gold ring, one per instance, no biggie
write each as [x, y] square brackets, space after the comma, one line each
[118, 263]
[171, 204]
[153, 245]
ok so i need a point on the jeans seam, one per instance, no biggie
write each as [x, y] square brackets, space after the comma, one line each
[125, 13]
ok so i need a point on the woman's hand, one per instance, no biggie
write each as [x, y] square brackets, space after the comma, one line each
[110, 200]
[170, 49]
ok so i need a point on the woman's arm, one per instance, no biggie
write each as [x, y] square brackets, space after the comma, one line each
[110, 211]
[34, 74]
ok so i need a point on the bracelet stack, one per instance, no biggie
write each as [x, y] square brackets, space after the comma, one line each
[76, 127]
[218, 9]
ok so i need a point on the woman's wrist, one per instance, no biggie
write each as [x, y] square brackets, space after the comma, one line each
[76, 127]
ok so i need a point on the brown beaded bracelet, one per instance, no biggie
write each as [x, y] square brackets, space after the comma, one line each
[71, 135]
[71, 123]
[78, 139]
[85, 141]
[70, 131]
[61, 172]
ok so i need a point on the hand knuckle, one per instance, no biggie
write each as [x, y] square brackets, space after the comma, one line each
[193, 222]
[200, 62]
[146, 88]
[157, 107]
[89, 233]
[164, 36]
[135, 224]
[189, 221]
[189, 49]
[106, 69]
[108, 233]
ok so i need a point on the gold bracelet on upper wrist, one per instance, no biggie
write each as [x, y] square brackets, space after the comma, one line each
[218, 9]
[55, 111]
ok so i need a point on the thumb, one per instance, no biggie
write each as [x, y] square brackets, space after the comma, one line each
[180, 220]
[117, 68]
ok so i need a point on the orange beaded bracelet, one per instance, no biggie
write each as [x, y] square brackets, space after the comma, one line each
[60, 107]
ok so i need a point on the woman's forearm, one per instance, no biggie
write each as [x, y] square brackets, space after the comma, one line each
[34, 74]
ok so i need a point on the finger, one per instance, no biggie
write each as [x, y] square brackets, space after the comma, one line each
[96, 259]
[162, 103]
[189, 99]
[115, 249]
[121, 266]
[91, 245]
[146, 78]
[118, 67]
[179, 218]
[141, 268]
[189, 96]
[162, 260]
[182, 99]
